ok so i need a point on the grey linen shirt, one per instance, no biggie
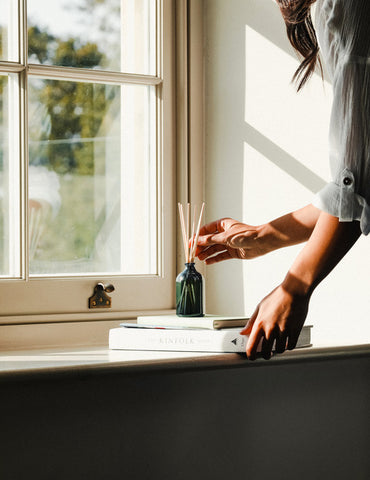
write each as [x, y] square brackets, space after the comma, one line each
[343, 31]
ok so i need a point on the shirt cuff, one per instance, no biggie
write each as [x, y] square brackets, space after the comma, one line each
[341, 201]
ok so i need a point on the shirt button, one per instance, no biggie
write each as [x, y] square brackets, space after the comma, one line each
[347, 181]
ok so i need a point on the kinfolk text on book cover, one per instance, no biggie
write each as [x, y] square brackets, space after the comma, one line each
[186, 340]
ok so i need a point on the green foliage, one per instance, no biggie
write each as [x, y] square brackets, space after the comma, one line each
[70, 54]
[2, 87]
[75, 110]
[39, 44]
[67, 116]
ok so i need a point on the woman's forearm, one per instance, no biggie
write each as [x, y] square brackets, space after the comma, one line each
[281, 314]
[228, 238]
[329, 242]
[292, 228]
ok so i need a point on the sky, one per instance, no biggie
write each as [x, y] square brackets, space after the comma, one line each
[57, 17]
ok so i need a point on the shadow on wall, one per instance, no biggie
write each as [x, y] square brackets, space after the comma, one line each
[256, 167]
[283, 160]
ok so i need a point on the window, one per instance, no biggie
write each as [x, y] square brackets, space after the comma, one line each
[86, 155]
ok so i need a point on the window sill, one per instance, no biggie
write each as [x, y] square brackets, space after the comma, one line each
[61, 362]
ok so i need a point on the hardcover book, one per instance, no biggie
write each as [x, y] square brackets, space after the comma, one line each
[186, 340]
[208, 321]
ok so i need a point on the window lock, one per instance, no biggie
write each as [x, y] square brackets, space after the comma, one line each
[100, 297]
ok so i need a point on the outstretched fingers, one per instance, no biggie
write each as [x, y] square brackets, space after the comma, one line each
[210, 241]
[225, 255]
[253, 342]
[210, 228]
[209, 251]
[281, 342]
[255, 335]
[214, 232]
[249, 325]
[292, 341]
[214, 254]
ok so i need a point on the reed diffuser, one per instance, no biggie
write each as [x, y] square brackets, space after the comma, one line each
[189, 283]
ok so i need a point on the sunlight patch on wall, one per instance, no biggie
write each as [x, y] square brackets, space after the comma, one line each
[297, 122]
[268, 192]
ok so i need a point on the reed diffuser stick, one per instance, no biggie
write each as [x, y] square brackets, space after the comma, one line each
[183, 230]
[194, 246]
[187, 231]
[190, 243]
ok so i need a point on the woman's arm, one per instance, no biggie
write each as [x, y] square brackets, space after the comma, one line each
[281, 315]
[227, 238]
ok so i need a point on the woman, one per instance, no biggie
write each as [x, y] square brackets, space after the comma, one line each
[341, 211]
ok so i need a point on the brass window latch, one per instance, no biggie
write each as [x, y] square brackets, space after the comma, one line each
[100, 297]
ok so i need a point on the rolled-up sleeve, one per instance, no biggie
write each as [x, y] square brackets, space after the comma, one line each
[346, 42]
[348, 195]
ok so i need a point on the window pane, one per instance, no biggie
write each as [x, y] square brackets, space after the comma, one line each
[9, 30]
[92, 178]
[9, 178]
[116, 35]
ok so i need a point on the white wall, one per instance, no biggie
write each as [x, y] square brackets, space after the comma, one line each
[266, 154]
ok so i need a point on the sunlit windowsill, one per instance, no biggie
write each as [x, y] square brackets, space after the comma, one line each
[57, 362]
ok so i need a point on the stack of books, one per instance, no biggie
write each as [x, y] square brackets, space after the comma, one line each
[211, 333]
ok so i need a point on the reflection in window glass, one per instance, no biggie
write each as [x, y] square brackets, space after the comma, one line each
[9, 30]
[9, 178]
[116, 35]
[3, 181]
[92, 178]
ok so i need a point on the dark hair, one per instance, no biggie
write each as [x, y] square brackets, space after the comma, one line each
[302, 36]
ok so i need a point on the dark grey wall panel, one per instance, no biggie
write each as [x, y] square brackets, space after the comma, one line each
[292, 421]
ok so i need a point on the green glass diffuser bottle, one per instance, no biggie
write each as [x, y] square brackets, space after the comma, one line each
[189, 292]
[189, 283]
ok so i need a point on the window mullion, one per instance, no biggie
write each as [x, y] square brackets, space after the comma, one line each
[23, 141]
[94, 76]
[11, 67]
[23, 138]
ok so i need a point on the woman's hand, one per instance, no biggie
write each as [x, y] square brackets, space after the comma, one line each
[279, 316]
[227, 238]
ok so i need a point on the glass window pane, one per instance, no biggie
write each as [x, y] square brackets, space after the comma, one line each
[116, 35]
[92, 178]
[9, 178]
[9, 30]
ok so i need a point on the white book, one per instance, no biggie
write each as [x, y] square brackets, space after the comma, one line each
[186, 340]
[208, 321]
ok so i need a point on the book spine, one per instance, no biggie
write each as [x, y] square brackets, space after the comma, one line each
[176, 340]
[216, 341]
[177, 322]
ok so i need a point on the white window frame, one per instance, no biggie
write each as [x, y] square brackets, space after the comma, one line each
[58, 299]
